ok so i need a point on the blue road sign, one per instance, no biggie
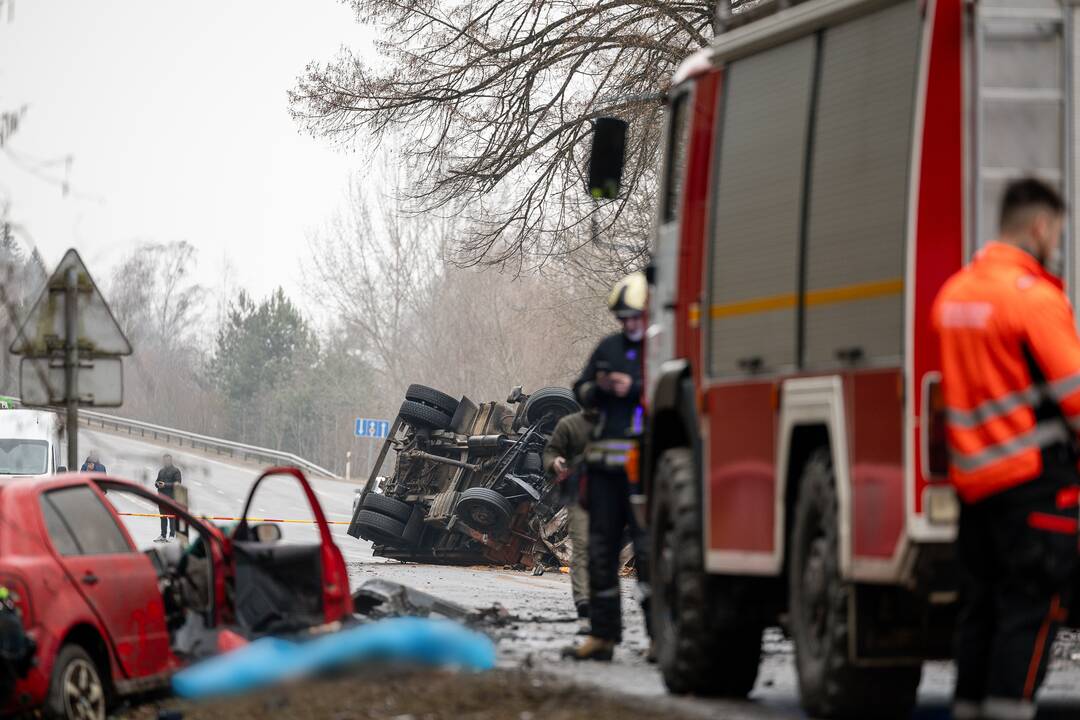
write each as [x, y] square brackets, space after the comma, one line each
[371, 428]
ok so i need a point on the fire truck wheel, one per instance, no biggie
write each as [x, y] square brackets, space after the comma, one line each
[484, 509]
[707, 637]
[416, 413]
[830, 684]
[380, 528]
[388, 506]
[430, 396]
[76, 690]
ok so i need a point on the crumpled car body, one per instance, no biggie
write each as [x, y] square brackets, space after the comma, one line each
[96, 607]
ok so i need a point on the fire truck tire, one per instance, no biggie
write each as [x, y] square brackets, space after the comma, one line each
[830, 684]
[388, 506]
[380, 529]
[484, 509]
[707, 637]
[76, 688]
[430, 396]
[555, 402]
[417, 413]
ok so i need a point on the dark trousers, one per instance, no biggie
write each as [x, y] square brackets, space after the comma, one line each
[168, 524]
[610, 519]
[1018, 553]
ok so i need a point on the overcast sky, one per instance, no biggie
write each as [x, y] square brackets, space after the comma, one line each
[176, 118]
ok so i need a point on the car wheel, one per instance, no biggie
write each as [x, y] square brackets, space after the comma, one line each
[484, 509]
[830, 684]
[379, 528]
[430, 396]
[421, 415]
[76, 691]
[387, 506]
[708, 635]
[551, 402]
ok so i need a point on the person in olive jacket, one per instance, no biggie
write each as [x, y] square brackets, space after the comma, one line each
[168, 478]
[562, 461]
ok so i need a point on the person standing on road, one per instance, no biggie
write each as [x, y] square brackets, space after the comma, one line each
[1010, 360]
[93, 463]
[563, 456]
[611, 386]
[168, 478]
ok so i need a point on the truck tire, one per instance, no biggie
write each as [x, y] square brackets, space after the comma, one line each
[380, 529]
[554, 402]
[388, 506]
[707, 635]
[421, 415]
[830, 684]
[76, 688]
[430, 396]
[484, 509]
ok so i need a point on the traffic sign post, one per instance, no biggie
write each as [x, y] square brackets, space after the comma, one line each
[71, 329]
[372, 429]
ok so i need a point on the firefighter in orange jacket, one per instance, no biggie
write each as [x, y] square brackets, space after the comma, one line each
[1010, 360]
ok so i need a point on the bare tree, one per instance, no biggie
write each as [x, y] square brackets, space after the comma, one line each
[498, 97]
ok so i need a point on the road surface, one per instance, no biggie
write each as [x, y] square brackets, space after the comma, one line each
[541, 605]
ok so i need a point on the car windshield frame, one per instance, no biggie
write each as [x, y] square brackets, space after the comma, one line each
[9, 445]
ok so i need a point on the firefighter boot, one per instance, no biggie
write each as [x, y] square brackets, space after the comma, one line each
[592, 648]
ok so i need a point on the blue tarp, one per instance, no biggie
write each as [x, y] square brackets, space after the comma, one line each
[271, 660]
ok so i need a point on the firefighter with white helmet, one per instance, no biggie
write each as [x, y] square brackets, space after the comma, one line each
[611, 385]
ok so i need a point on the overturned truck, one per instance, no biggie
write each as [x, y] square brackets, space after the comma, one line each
[467, 484]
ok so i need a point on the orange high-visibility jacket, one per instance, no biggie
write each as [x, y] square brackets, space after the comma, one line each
[1008, 345]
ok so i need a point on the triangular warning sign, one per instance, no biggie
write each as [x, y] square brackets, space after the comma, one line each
[42, 333]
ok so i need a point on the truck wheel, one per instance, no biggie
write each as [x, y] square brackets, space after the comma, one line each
[830, 684]
[380, 528]
[76, 691]
[430, 396]
[484, 509]
[553, 402]
[416, 413]
[707, 636]
[388, 506]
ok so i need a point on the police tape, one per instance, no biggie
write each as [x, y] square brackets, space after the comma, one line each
[237, 519]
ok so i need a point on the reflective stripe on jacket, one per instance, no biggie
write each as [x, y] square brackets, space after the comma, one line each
[1008, 348]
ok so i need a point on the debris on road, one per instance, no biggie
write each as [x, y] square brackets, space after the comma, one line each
[468, 484]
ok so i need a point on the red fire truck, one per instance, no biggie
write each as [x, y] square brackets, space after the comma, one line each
[828, 164]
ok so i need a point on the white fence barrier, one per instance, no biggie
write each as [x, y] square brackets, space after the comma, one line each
[215, 446]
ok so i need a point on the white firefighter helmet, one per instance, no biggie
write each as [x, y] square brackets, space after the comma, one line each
[628, 297]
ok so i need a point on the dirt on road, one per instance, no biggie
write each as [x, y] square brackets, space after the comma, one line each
[413, 695]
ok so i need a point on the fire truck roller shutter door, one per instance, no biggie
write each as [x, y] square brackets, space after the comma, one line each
[860, 156]
[755, 238]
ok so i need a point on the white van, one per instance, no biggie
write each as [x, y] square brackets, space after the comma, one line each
[32, 442]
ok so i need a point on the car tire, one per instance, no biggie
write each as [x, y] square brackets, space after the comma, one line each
[387, 506]
[76, 688]
[421, 415]
[484, 509]
[830, 685]
[552, 402]
[379, 528]
[707, 633]
[430, 396]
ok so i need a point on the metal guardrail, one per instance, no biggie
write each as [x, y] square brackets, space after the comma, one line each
[217, 446]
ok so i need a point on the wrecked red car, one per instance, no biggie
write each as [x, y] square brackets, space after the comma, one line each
[103, 619]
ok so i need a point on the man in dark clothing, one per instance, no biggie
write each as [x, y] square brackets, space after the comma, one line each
[563, 456]
[611, 385]
[93, 464]
[168, 478]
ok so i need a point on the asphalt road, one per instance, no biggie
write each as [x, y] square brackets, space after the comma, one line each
[541, 606]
